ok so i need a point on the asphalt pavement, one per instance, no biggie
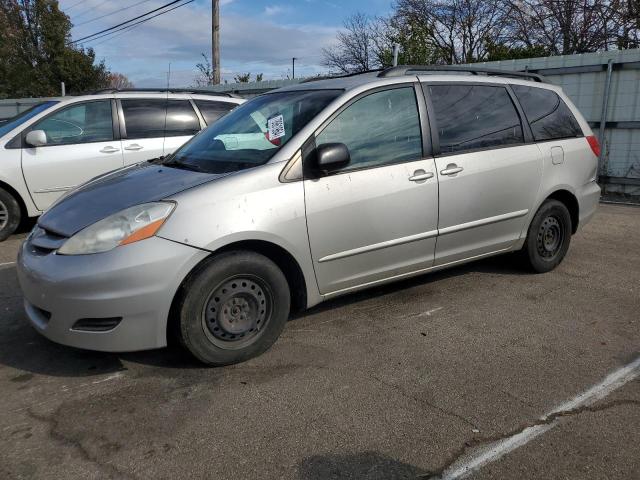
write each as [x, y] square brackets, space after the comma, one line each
[404, 381]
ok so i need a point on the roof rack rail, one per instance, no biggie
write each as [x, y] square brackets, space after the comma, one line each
[346, 75]
[163, 90]
[405, 69]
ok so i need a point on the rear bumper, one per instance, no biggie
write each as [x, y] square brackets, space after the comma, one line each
[132, 285]
[588, 200]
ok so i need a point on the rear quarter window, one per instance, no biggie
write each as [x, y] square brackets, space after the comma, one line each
[213, 110]
[548, 115]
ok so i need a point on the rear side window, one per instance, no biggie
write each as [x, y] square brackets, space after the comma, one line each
[548, 115]
[470, 117]
[211, 111]
[181, 119]
[379, 129]
[144, 118]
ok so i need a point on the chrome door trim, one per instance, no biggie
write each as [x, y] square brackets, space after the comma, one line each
[414, 273]
[379, 246]
[483, 221]
[54, 189]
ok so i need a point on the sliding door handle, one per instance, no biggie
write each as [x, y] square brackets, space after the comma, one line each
[451, 169]
[134, 146]
[109, 149]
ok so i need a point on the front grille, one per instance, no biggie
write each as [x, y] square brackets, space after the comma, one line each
[97, 324]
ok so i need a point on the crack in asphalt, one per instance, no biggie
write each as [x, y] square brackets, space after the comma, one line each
[547, 420]
[425, 402]
[54, 432]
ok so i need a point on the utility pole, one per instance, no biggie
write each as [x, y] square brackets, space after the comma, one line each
[215, 40]
[293, 67]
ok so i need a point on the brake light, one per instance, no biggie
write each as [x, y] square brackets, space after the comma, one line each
[594, 144]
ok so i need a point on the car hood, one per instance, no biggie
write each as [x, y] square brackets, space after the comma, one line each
[116, 191]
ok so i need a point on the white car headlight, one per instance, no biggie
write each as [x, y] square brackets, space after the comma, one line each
[128, 226]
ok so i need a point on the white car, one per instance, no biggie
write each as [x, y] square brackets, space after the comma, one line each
[59, 144]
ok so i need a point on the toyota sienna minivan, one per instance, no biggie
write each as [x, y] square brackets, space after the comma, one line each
[358, 181]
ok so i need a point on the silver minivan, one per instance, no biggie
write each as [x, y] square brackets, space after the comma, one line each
[306, 193]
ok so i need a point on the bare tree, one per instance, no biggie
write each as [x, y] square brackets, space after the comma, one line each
[567, 26]
[355, 48]
[460, 30]
[119, 80]
[206, 73]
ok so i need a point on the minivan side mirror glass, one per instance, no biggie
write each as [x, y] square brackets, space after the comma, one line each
[36, 138]
[332, 156]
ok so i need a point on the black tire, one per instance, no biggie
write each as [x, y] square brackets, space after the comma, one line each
[10, 214]
[233, 307]
[548, 237]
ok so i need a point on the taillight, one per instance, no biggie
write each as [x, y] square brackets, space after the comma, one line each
[594, 144]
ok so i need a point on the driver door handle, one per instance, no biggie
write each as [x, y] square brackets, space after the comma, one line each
[134, 146]
[451, 169]
[109, 149]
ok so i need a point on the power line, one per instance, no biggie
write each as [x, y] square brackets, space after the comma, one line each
[90, 9]
[75, 5]
[128, 21]
[130, 27]
[112, 13]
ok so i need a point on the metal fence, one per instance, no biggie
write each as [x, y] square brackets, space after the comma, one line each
[605, 86]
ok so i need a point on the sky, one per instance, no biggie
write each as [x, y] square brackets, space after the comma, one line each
[255, 36]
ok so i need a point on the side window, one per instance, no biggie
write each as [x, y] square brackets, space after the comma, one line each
[80, 123]
[181, 119]
[548, 115]
[469, 117]
[379, 129]
[211, 111]
[144, 118]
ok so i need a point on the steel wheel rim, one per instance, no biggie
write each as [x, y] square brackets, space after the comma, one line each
[4, 215]
[550, 237]
[237, 312]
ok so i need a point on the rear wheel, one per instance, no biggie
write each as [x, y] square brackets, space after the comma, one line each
[548, 237]
[233, 308]
[9, 214]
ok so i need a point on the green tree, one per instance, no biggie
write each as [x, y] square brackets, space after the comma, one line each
[36, 52]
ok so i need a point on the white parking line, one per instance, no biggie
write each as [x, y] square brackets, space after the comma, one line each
[6, 264]
[491, 452]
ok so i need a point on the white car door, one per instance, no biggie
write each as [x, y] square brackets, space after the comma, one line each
[80, 145]
[142, 128]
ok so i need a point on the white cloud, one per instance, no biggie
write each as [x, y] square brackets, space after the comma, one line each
[248, 44]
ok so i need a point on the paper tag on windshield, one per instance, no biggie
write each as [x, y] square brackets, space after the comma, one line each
[276, 127]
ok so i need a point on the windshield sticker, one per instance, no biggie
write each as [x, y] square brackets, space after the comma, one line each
[276, 127]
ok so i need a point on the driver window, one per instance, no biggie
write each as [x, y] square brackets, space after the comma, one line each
[379, 129]
[80, 123]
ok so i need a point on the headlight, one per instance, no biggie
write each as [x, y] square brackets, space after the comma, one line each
[128, 226]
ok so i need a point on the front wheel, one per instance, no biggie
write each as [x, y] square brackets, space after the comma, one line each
[233, 308]
[548, 237]
[9, 214]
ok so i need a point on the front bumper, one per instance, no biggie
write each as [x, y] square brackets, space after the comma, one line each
[134, 284]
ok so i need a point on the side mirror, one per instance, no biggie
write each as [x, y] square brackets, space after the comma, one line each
[36, 138]
[332, 156]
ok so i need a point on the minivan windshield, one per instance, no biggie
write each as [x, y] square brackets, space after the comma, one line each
[252, 133]
[22, 117]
